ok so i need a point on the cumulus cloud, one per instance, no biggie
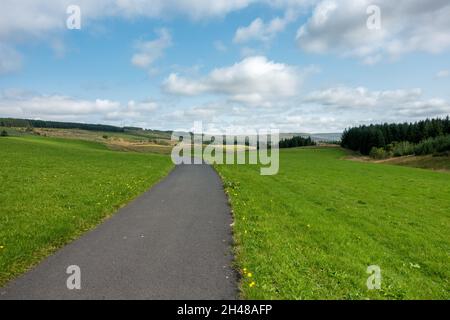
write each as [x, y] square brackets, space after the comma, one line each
[258, 30]
[190, 115]
[42, 20]
[57, 105]
[22, 104]
[328, 110]
[174, 84]
[360, 97]
[38, 17]
[149, 51]
[359, 104]
[252, 81]
[136, 111]
[406, 26]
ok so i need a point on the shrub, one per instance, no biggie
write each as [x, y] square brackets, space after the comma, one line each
[105, 136]
[443, 143]
[438, 145]
[425, 147]
[390, 147]
[4, 133]
[378, 153]
[433, 145]
[403, 148]
[163, 142]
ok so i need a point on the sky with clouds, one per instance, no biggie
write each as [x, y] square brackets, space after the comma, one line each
[294, 65]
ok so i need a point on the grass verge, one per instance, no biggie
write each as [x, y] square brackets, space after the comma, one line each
[311, 231]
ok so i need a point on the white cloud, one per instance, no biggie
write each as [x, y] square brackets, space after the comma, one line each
[58, 105]
[149, 51]
[360, 97]
[190, 115]
[253, 81]
[195, 9]
[258, 30]
[356, 105]
[174, 84]
[406, 26]
[21, 104]
[328, 110]
[435, 107]
[136, 111]
[35, 16]
[29, 20]
[443, 74]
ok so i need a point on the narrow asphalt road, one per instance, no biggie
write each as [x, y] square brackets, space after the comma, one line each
[173, 242]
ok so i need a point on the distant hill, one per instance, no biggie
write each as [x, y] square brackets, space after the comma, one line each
[316, 137]
[27, 123]
[24, 123]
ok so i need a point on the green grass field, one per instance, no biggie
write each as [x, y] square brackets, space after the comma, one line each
[52, 190]
[311, 231]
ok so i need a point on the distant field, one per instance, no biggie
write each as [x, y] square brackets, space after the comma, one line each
[136, 141]
[52, 190]
[311, 231]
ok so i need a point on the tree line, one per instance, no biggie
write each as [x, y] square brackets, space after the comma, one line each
[296, 142]
[25, 123]
[364, 138]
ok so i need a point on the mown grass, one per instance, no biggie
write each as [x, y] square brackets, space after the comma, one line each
[311, 231]
[52, 190]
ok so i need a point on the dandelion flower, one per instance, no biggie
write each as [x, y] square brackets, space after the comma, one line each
[252, 284]
[249, 275]
[2, 247]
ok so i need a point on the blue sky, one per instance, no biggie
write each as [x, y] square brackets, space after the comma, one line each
[238, 64]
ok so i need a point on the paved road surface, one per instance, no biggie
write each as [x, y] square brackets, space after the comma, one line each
[173, 242]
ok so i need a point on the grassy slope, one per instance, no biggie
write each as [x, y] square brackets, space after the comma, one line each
[52, 190]
[312, 230]
[134, 141]
[425, 162]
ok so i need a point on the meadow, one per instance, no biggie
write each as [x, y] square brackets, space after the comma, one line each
[52, 190]
[311, 231]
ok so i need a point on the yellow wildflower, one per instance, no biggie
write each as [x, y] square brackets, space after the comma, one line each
[252, 284]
